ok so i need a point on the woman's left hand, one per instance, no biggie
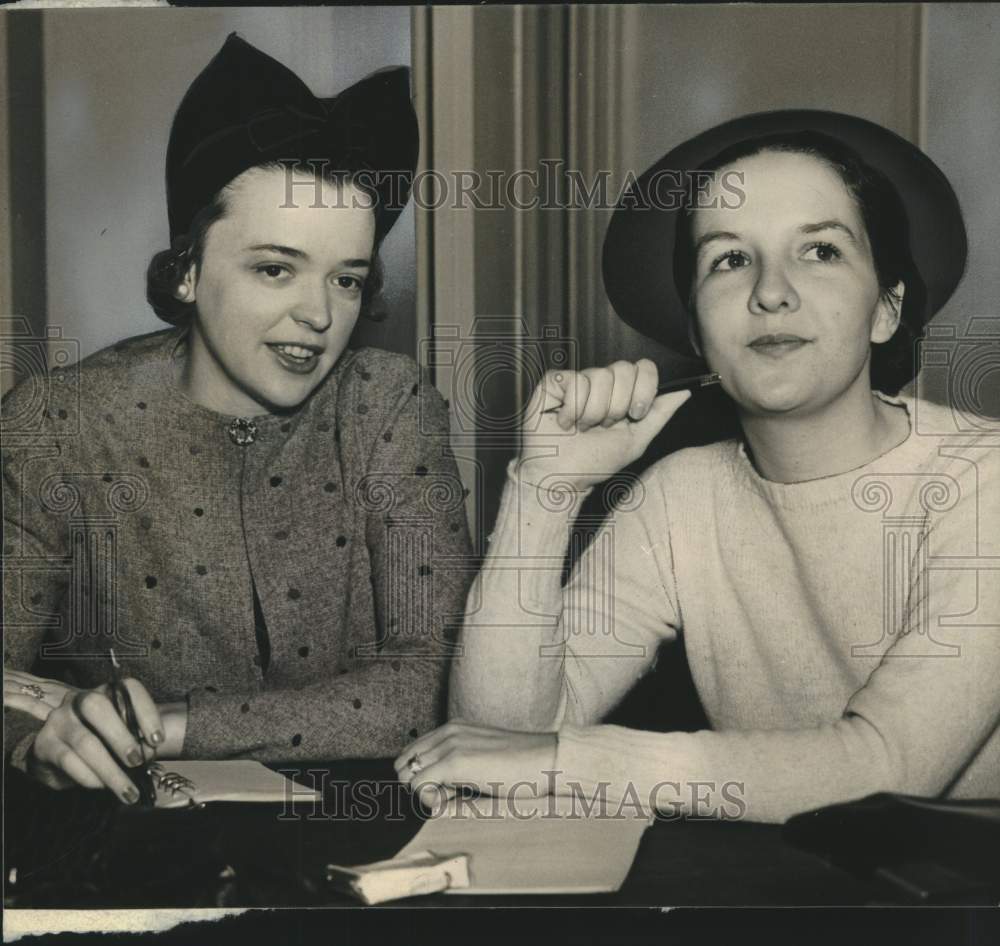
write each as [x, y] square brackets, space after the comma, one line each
[35, 695]
[496, 762]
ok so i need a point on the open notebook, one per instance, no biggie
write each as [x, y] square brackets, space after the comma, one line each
[565, 852]
[181, 783]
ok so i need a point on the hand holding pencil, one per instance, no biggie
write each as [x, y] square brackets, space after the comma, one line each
[100, 738]
[138, 772]
[583, 426]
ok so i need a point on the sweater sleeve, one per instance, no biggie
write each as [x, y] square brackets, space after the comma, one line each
[533, 653]
[35, 576]
[929, 706]
[419, 549]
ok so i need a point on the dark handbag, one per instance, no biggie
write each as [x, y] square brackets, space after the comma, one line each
[912, 850]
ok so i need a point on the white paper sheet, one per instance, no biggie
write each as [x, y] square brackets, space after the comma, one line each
[555, 851]
[241, 780]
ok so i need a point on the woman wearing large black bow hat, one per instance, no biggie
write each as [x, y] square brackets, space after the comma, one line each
[278, 501]
[832, 569]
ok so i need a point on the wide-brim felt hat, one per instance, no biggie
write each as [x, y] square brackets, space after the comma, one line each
[245, 109]
[638, 256]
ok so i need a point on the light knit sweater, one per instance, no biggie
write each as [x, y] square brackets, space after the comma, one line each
[843, 633]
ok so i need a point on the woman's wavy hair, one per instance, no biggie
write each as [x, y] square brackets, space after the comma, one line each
[894, 362]
[167, 268]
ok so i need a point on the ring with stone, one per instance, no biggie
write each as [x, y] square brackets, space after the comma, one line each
[414, 765]
[33, 689]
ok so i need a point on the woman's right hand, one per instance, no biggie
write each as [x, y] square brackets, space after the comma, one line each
[84, 742]
[587, 425]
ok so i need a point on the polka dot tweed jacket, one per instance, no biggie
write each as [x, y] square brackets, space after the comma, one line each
[135, 519]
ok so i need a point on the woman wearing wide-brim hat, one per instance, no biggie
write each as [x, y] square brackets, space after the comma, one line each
[278, 501]
[828, 568]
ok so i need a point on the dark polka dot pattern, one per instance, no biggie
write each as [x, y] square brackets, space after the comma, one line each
[278, 529]
[107, 477]
[62, 414]
[424, 570]
[414, 733]
[155, 643]
[36, 598]
[150, 581]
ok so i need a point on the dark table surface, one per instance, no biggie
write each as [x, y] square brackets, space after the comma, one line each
[83, 849]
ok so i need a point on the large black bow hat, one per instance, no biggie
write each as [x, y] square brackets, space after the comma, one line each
[246, 109]
[638, 259]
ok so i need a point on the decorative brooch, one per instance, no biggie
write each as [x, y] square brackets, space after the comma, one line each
[242, 431]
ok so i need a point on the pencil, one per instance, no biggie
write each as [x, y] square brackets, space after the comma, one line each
[122, 702]
[683, 384]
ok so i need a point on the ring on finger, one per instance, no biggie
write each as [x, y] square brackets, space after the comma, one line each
[414, 765]
[33, 689]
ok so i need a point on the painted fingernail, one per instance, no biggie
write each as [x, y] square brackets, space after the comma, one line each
[134, 758]
[131, 795]
[156, 738]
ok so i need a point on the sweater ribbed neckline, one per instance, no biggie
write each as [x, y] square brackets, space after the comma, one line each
[826, 490]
